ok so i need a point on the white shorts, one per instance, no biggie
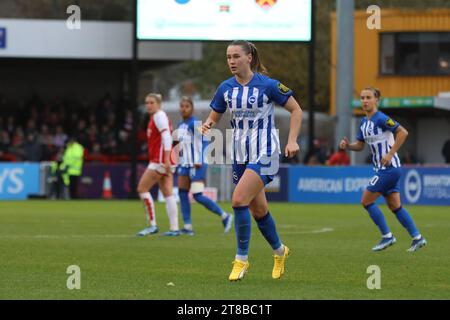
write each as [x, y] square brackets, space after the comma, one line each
[159, 167]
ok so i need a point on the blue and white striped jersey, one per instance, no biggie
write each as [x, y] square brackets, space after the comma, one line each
[252, 116]
[192, 145]
[378, 133]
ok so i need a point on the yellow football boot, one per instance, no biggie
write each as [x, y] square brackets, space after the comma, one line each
[239, 270]
[279, 264]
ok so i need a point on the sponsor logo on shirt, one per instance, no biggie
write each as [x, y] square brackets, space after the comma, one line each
[390, 123]
[282, 88]
[245, 113]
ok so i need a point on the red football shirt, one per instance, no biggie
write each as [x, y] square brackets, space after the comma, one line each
[156, 126]
[339, 158]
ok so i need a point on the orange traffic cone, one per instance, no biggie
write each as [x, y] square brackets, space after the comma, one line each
[107, 190]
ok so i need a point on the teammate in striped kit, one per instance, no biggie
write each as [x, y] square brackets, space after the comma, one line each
[192, 169]
[250, 96]
[160, 168]
[377, 130]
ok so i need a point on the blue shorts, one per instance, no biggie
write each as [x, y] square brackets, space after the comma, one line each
[193, 173]
[239, 168]
[386, 181]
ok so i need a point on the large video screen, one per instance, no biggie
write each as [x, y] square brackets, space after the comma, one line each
[255, 20]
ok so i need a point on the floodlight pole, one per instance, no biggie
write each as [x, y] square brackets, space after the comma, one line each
[344, 68]
[311, 77]
[134, 104]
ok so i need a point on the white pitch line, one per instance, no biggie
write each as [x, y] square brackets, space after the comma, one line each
[75, 236]
[323, 230]
[117, 236]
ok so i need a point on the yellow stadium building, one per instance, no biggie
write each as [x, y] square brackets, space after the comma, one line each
[408, 59]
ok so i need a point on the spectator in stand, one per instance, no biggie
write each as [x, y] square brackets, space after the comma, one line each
[18, 144]
[45, 114]
[92, 133]
[124, 144]
[92, 119]
[73, 122]
[5, 143]
[45, 138]
[317, 155]
[128, 122]
[31, 127]
[53, 119]
[32, 149]
[10, 126]
[107, 140]
[82, 134]
[409, 158]
[50, 122]
[96, 150]
[104, 108]
[111, 120]
[446, 151]
[60, 137]
[33, 117]
[339, 158]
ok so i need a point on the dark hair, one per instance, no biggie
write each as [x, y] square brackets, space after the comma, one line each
[249, 48]
[376, 92]
[188, 100]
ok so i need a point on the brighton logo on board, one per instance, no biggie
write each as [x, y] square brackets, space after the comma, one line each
[413, 186]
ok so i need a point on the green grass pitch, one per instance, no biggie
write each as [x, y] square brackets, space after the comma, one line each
[330, 253]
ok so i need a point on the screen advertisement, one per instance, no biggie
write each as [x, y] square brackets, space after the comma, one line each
[224, 20]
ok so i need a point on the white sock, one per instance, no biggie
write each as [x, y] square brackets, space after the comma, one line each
[149, 208]
[188, 226]
[387, 235]
[241, 258]
[279, 251]
[224, 215]
[172, 212]
[417, 237]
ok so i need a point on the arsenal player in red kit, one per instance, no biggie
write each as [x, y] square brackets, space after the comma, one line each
[160, 169]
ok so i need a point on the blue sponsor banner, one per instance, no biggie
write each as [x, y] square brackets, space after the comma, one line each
[2, 38]
[418, 185]
[427, 186]
[18, 180]
[328, 184]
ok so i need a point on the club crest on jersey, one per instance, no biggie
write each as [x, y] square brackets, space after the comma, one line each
[266, 4]
[282, 88]
[390, 123]
[252, 99]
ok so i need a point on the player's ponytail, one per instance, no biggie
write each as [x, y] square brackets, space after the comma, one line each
[249, 48]
[256, 64]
